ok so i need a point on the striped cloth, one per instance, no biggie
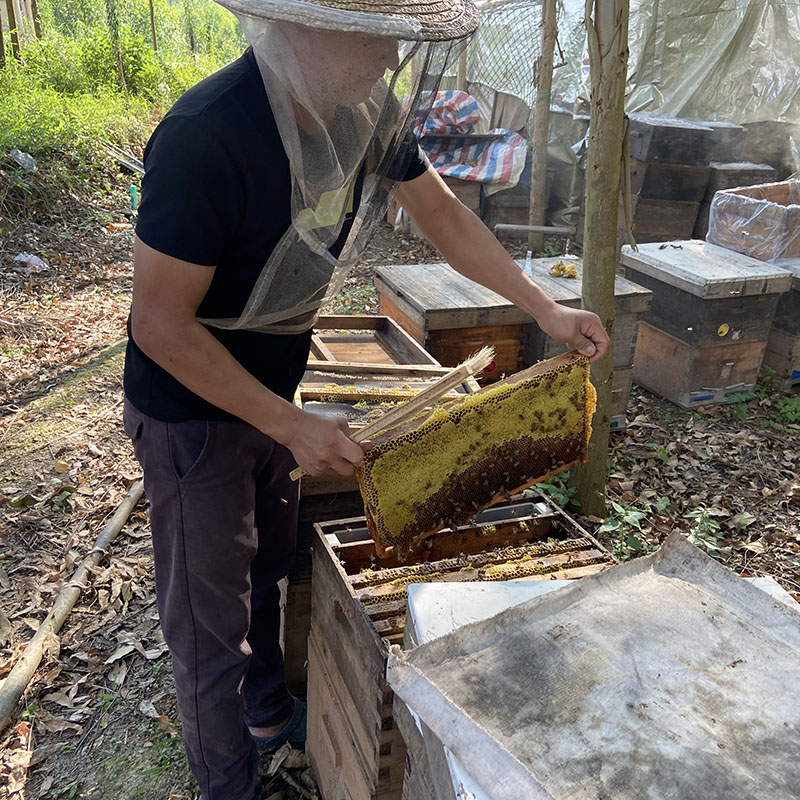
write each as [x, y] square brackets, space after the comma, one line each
[499, 162]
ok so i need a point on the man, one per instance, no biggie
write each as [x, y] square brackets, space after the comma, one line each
[262, 185]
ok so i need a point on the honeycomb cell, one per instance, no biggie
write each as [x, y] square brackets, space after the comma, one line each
[447, 464]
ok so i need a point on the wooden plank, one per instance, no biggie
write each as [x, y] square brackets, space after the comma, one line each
[451, 347]
[333, 744]
[297, 626]
[693, 376]
[410, 370]
[706, 270]
[783, 355]
[628, 296]
[320, 349]
[706, 321]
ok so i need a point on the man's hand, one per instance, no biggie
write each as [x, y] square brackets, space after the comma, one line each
[580, 330]
[321, 444]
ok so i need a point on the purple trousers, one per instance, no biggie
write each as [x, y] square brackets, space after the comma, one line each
[223, 514]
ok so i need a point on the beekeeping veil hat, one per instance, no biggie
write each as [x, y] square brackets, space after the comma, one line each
[345, 80]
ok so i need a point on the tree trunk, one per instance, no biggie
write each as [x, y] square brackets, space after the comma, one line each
[607, 30]
[2, 44]
[543, 81]
[153, 27]
[37, 20]
[13, 30]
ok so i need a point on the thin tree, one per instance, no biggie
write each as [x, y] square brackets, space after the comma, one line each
[2, 44]
[13, 30]
[153, 27]
[607, 32]
[112, 18]
[543, 82]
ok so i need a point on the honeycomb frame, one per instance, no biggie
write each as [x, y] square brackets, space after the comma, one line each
[448, 463]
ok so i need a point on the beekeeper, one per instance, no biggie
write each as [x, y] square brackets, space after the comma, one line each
[262, 186]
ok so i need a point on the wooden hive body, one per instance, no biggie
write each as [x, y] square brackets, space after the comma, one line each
[442, 467]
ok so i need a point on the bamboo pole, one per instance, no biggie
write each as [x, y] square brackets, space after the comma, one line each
[543, 81]
[15, 683]
[607, 29]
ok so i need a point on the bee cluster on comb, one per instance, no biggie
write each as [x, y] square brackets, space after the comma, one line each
[445, 465]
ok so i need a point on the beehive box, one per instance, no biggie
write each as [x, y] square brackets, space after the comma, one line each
[670, 139]
[705, 295]
[353, 744]
[692, 376]
[759, 221]
[729, 176]
[783, 345]
[452, 316]
[661, 181]
[363, 339]
[707, 328]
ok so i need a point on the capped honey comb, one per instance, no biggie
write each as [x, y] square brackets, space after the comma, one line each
[442, 467]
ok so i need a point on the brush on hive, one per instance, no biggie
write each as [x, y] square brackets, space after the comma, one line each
[442, 467]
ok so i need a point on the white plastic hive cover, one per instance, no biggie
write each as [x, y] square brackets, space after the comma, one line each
[667, 677]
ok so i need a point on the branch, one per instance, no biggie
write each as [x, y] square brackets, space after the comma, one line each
[16, 682]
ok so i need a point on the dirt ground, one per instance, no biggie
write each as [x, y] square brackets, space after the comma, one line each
[99, 719]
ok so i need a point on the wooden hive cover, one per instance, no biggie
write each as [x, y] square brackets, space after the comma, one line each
[439, 469]
[706, 270]
[436, 297]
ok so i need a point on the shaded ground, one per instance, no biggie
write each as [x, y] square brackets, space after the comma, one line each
[99, 719]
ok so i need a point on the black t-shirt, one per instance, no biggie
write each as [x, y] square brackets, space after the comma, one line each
[216, 192]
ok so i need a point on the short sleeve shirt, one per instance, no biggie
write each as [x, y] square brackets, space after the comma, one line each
[216, 192]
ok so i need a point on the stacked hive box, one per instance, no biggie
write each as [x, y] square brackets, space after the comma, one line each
[358, 611]
[704, 338]
[764, 222]
[783, 346]
[453, 317]
[725, 176]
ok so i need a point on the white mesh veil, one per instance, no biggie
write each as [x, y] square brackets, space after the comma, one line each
[344, 102]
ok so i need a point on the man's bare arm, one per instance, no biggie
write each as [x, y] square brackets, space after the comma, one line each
[166, 295]
[471, 249]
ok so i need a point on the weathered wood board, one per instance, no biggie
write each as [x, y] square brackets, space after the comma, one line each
[692, 376]
[706, 270]
[452, 316]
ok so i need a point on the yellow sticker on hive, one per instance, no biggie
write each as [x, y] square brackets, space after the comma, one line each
[723, 329]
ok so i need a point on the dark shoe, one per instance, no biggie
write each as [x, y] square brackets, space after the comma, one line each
[293, 732]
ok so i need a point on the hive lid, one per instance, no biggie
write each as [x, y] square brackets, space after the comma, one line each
[666, 677]
[706, 270]
[439, 297]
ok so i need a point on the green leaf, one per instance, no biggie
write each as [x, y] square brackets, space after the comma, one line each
[26, 501]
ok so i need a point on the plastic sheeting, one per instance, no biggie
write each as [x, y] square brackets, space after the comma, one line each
[732, 60]
[665, 678]
[760, 221]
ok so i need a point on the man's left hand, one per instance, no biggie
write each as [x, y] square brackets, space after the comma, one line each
[580, 330]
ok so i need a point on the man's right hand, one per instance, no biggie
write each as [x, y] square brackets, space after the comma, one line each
[322, 445]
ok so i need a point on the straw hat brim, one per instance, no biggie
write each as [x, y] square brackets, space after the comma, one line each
[440, 20]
